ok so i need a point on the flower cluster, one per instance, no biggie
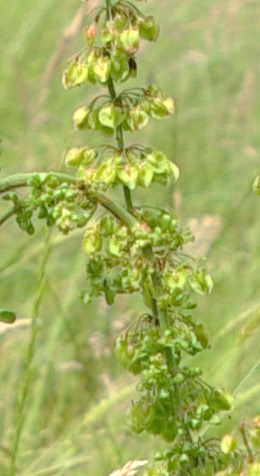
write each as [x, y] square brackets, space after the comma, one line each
[55, 201]
[101, 168]
[145, 254]
[119, 37]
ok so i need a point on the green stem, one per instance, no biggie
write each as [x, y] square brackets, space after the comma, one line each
[7, 215]
[165, 325]
[120, 144]
[21, 181]
[245, 441]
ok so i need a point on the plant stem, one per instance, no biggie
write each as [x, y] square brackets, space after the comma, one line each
[120, 143]
[245, 441]
[7, 215]
[164, 322]
[20, 180]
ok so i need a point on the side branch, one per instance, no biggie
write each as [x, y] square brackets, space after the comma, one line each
[21, 181]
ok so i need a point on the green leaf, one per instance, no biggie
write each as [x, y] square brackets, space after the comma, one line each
[7, 316]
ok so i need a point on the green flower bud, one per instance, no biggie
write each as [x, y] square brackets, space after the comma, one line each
[215, 420]
[184, 458]
[92, 243]
[90, 34]
[128, 176]
[161, 108]
[113, 246]
[106, 173]
[195, 424]
[137, 119]
[74, 157]
[109, 32]
[110, 116]
[107, 226]
[75, 75]
[149, 28]
[130, 40]
[228, 444]
[101, 69]
[256, 185]
[173, 171]
[93, 120]
[120, 21]
[201, 281]
[179, 378]
[159, 161]
[80, 118]
[145, 175]
[221, 400]
[119, 66]
[78, 156]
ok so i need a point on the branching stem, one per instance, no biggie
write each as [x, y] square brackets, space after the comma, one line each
[21, 181]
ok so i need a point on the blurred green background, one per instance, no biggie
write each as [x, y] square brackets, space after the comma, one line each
[207, 59]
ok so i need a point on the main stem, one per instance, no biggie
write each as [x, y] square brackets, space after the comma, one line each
[119, 131]
[163, 317]
[120, 144]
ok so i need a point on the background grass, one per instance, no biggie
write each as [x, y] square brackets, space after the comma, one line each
[207, 59]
